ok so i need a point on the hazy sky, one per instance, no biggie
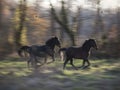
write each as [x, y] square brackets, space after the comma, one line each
[104, 4]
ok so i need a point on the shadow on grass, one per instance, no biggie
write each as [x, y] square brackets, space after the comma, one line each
[16, 76]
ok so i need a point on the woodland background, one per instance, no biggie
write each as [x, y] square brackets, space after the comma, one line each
[22, 23]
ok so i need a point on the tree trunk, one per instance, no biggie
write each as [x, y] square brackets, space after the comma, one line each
[19, 30]
[63, 22]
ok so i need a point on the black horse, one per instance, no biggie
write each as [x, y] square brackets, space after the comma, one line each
[40, 51]
[79, 53]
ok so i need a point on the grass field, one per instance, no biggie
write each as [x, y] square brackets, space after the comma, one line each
[102, 75]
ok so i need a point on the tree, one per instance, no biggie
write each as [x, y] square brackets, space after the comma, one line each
[1, 15]
[1, 9]
[52, 25]
[20, 18]
[98, 22]
[5, 23]
[118, 22]
[65, 23]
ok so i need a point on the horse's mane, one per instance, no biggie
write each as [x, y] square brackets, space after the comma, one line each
[49, 41]
[85, 43]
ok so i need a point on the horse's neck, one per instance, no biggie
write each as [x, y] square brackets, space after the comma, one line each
[52, 46]
[87, 48]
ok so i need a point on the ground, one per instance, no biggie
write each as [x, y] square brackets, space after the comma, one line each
[101, 75]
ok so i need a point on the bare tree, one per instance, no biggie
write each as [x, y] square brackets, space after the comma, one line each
[1, 8]
[64, 21]
[98, 22]
[1, 23]
[21, 22]
[118, 22]
[52, 24]
[1, 14]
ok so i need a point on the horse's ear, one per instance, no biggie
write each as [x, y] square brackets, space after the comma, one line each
[89, 39]
[54, 36]
[85, 41]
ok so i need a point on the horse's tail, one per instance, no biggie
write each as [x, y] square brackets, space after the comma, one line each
[23, 49]
[62, 50]
[62, 53]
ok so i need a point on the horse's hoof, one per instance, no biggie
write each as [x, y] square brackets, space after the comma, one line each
[76, 69]
[86, 67]
[80, 67]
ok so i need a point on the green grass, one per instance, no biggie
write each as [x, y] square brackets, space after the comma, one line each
[102, 75]
[17, 68]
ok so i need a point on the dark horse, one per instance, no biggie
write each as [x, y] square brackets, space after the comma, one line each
[40, 51]
[79, 53]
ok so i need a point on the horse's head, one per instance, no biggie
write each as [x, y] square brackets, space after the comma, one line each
[52, 42]
[57, 42]
[92, 43]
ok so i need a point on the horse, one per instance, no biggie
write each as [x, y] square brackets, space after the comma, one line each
[35, 51]
[79, 53]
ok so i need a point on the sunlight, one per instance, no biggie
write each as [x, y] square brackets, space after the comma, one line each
[105, 4]
[109, 3]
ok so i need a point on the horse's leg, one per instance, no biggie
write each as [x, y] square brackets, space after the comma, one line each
[34, 62]
[83, 64]
[86, 60]
[45, 60]
[67, 59]
[53, 58]
[28, 61]
[71, 62]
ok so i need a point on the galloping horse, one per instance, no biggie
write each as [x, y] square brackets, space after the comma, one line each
[79, 53]
[40, 51]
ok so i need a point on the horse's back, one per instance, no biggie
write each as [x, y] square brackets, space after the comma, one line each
[76, 52]
[72, 51]
[38, 50]
[41, 51]
[38, 47]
